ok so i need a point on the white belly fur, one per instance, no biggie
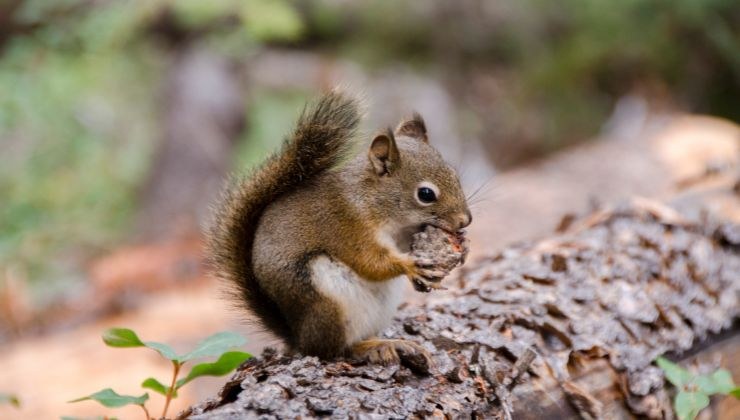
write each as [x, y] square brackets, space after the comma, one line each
[368, 306]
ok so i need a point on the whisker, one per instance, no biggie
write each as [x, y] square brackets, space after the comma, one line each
[479, 189]
[478, 200]
[460, 171]
[474, 204]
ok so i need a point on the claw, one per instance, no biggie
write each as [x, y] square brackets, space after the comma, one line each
[425, 286]
[421, 286]
[424, 262]
[432, 274]
[387, 352]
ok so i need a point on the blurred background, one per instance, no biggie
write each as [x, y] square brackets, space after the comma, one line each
[120, 119]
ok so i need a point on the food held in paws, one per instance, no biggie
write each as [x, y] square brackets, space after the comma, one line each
[437, 251]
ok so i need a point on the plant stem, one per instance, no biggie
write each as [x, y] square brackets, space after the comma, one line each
[171, 390]
[146, 412]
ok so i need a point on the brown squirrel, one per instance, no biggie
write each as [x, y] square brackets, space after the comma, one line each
[317, 247]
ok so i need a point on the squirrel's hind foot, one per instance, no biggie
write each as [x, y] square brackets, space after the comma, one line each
[393, 351]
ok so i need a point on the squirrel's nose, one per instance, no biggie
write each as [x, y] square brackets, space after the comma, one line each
[465, 220]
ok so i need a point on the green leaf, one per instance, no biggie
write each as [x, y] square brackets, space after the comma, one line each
[155, 385]
[719, 382]
[723, 381]
[689, 404]
[225, 364]
[271, 20]
[124, 337]
[215, 345]
[10, 399]
[194, 13]
[111, 399]
[675, 374]
[121, 337]
[736, 393]
[704, 384]
[166, 351]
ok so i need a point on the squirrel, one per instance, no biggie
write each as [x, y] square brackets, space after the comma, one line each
[316, 243]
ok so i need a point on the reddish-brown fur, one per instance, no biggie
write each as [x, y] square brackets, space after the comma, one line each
[304, 202]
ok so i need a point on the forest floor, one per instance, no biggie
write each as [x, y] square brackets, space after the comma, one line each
[47, 370]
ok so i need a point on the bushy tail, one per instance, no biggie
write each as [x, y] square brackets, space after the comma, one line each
[320, 140]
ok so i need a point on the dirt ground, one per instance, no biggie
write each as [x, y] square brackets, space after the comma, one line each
[48, 370]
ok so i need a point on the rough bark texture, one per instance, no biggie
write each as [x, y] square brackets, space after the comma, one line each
[563, 327]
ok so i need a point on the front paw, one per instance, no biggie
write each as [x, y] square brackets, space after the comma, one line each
[434, 253]
[425, 286]
[426, 275]
[426, 269]
[387, 352]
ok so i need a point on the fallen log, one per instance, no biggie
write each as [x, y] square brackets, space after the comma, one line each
[568, 326]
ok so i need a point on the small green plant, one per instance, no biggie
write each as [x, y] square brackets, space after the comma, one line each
[694, 390]
[9, 399]
[111, 399]
[217, 345]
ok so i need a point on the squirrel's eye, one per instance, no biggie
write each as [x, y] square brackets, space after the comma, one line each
[426, 195]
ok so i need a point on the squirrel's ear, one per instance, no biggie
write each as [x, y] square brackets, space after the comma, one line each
[413, 127]
[383, 154]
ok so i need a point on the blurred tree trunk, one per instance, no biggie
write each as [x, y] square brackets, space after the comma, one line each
[9, 26]
[203, 116]
[565, 327]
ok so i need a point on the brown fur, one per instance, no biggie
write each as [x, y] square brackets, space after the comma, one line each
[318, 143]
[414, 127]
[300, 205]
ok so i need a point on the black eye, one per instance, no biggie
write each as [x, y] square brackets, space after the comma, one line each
[426, 195]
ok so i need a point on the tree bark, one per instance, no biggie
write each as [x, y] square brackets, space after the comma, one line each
[564, 327]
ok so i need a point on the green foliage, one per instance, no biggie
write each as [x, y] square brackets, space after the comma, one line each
[225, 364]
[694, 390]
[79, 120]
[271, 20]
[155, 385]
[121, 337]
[124, 337]
[81, 90]
[719, 382]
[558, 67]
[675, 374]
[275, 20]
[216, 345]
[689, 404]
[575, 58]
[75, 144]
[112, 399]
[9, 399]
